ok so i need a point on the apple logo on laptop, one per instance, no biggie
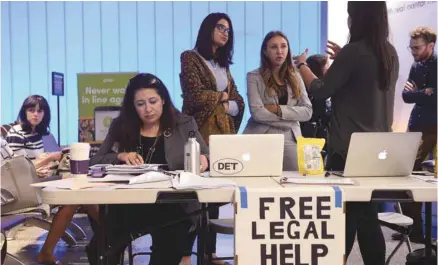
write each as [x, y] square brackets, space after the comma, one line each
[382, 155]
[246, 157]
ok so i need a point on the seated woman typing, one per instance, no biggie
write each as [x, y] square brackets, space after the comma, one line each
[149, 130]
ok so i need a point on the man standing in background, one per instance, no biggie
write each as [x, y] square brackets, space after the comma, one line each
[421, 90]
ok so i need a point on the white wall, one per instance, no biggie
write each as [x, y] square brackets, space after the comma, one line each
[337, 27]
[403, 17]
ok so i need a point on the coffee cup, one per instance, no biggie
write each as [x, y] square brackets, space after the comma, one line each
[79, 159]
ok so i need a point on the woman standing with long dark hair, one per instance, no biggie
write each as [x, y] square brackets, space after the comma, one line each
[209, 92]
[361, 83]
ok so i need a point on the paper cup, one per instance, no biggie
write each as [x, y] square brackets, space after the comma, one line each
[79, 159]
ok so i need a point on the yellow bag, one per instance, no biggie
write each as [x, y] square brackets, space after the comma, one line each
[310, 160]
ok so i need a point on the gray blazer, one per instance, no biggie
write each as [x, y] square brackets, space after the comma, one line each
[173, 145]
[261, 120]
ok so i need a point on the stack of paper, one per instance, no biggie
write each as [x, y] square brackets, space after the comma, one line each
[318, 181]
[187, 180]
[99, 166]
[131, 169]
[148, 177]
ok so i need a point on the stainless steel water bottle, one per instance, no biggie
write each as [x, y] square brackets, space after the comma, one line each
[192, 153]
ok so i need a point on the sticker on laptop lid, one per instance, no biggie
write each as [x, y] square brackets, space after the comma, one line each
[228, 166]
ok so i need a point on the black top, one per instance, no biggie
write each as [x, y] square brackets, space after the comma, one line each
[358, 103]
[158, 156]
[282, 100]
[424, 113]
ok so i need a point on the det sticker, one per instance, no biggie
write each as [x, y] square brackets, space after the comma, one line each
[228, 166]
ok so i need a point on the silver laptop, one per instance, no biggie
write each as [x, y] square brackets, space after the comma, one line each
[246, 155]
[387, 154]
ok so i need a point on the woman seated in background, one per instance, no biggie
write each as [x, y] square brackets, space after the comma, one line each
[148, 130]
[317, 126]
[277, 97]
[26, 138]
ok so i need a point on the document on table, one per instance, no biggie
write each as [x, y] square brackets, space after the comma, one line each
[70, 184]
[187, 180]
[318, 181]
[131, 169]
[148, 177]
[167, 184]
[426, 178]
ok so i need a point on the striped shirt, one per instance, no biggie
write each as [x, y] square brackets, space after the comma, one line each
[24, 143]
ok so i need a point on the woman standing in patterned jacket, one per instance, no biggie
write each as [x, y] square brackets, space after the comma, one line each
[209, 92]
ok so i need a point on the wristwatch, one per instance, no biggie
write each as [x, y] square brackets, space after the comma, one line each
[301, 64]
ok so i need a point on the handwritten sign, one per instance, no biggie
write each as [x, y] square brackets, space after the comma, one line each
[290, 226]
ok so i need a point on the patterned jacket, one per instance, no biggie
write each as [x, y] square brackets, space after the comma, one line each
[201, 99]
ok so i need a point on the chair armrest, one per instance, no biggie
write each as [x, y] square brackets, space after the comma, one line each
[6, 197]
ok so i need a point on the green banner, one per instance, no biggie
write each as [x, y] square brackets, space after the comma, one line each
[99, 99]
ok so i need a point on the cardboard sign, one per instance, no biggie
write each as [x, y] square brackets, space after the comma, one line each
[290, 226]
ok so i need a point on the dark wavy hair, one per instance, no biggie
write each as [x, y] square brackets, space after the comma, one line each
[32, 102]
[127, 125]
[316, 64]
[204, 42]
[287, 71]
[369, 23]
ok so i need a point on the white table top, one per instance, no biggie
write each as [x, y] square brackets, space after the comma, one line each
[103, 195]
[361, 191]
[421, 191]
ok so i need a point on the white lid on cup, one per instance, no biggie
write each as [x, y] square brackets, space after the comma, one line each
[80, 146]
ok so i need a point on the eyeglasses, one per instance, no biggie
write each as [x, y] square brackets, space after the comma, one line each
[415, 48]
[222, 28]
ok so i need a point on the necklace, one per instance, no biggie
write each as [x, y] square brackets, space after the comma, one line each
[151, 150]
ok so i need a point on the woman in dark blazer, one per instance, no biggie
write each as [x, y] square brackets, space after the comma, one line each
[361, 83]
[149, 130]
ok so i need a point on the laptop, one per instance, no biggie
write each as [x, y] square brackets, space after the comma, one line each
[246, 155]
[386, 154]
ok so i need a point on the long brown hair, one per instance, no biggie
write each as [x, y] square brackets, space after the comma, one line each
[287, 71]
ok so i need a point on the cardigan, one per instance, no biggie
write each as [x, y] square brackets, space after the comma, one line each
[201, 97]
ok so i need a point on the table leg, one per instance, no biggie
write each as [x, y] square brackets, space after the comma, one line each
[202, 234]
[101, 236]
[428, 234]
